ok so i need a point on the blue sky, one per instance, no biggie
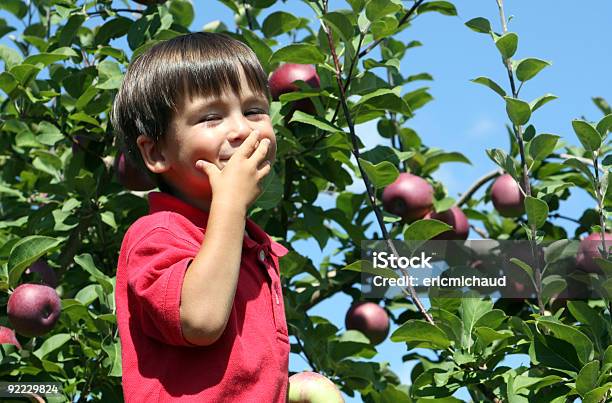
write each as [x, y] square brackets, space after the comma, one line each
[467, 117]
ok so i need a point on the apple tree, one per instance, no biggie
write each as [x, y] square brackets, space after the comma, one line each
[67, 195]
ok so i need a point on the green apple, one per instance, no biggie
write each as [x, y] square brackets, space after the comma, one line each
[310, 387]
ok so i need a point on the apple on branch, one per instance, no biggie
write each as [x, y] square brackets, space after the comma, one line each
[409, 197]
[7, 336]
[589, 249]
[370, 319]
[456, 219]
[507, 196]
[311, 387]
[282, 82]
[33, 309]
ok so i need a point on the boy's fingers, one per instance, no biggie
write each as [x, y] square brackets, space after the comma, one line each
[249, 144]
[206, 167]
[262, 150]
[264, 169]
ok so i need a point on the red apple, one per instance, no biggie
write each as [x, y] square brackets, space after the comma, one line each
[7, 336]
[456, 219]
[46, 273]
[33, 309]
[507, 197]
[130, 176]
[409, 197]
[310, 387]
[282, 81]
[370, 319]
[589, 249]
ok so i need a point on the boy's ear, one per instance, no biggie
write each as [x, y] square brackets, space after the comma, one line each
[152, 154]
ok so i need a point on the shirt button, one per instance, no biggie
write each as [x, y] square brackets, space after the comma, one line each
[262, 256]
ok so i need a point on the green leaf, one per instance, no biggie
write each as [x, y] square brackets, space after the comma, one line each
[491, 84]
[381, 174]
[51, 344]
[384, 99]
[376, 9]
[298, 53]
[16, 7]
[604, 125]
[86, 262]
[341, 23]
[182, 12]
[588, 316]
[444, 204]
[538, 102]
[112, 29]
[471, 310]
[272, 192]
[8, 82]
[365, 266]
[259, 46]
[435, 160]
[506, 44]
[518, 111]
[424, 333]
[10, 56]
[113, 362]
[488, 335]
[587, 134]
[384, 27]
[27, 251]
[537, 211]
[48, 133]
[48, 58]
[573, 336]
[542, 146]
[442, 7]
[315, 121]
[87, 295]
[423, 230]
[587, 378]
[479, 24]
[523, 266]
[580, 166]
[279, 23]
[529, 68]
[503, 160]
[597, 395]
[603, 106]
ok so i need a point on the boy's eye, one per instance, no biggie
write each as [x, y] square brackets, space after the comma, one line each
[256, 112]
[209, 118]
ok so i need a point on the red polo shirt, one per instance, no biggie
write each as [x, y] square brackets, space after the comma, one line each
[247, 364]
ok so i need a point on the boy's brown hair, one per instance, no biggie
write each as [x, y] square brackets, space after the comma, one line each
[158, 81]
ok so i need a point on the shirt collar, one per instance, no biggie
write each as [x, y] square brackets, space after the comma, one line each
[161, 201]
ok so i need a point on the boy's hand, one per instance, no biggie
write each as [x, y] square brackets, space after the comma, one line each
[239, 181]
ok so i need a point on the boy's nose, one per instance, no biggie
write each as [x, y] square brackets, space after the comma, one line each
[239, 130]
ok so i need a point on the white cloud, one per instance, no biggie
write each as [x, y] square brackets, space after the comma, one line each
[482, 128]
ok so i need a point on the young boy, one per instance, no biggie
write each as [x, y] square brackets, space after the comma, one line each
[199, 303]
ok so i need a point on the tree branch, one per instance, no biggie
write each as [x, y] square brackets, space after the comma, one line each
[371, 195]
[477, 185]
[527, 186]
[403, 20]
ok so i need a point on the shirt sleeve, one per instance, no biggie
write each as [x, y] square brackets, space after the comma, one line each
[156, 269]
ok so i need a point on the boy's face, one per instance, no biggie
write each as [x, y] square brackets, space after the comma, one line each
[212, 129]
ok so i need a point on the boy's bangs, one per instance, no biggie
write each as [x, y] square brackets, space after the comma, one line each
[197, 80]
